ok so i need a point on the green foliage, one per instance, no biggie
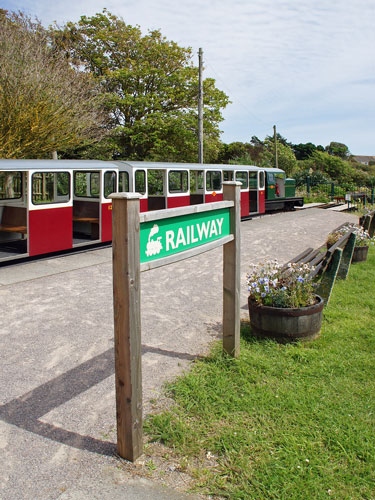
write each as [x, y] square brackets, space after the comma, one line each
[45, 105]
[313, 177]
[284, 421]
[151, 87]
[363, 238]
[279, 138]
[336, 168]
[286, 158]
[338, 149]
[240, 153]
[304, 151]
[269, 286]
[301, 161]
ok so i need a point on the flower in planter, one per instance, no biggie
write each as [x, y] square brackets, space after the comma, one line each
[363, 239]
[270, 284]
[332, 238]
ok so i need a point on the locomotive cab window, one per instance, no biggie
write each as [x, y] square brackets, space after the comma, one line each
[110, 183]
[280, 185]
[270, 178]
[87, 184]
[10, 185]
[178, 181]
[243, 179]
[50, 187]
[213, 180]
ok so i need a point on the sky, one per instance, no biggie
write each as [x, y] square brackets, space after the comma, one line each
[306, 66]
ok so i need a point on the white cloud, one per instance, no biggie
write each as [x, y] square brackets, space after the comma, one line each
[306, 66]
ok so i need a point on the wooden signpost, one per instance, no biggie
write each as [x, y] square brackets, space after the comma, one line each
[144, 241]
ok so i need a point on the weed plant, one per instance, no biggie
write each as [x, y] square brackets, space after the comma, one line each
[290, 421]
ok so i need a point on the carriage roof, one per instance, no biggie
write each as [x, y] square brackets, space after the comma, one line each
[186, 166]
[24, 165]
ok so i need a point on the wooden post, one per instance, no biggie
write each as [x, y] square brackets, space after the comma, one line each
[231, 273]
[127, 324]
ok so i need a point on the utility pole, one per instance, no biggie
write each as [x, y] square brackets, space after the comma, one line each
[275, 141]
[200, 108]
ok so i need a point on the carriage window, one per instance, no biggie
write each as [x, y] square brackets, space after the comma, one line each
[261, 180]
[242, 178]
[213, 180]
[95, 184]
[86, 184]
[63, 184]
[124, 182]
[140, 182]
[200, 181]
[110, 181]
[227, 175]
[50, 187]
[10, 185]
[155, 182]
[196, 181]
[178, 181]
[253, 179]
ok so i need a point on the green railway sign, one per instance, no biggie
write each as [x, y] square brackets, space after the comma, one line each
[173, 235]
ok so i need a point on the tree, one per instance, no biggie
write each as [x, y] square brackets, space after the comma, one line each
[242, 153]
[338, 149]
[255, 141]
[151, 88]
[44, 104]
[280, 139]
[335, 168]
[286, 158]
[304, 151]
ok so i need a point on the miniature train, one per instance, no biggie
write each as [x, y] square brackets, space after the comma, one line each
[49, 206]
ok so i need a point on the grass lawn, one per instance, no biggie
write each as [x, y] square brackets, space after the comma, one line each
[284, 421]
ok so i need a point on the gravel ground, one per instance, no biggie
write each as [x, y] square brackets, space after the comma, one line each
[57, 412]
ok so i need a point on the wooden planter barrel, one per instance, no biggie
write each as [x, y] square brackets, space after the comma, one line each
[284, 324]
[359, 254]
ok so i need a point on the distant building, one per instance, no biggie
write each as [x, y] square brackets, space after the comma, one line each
[365, 160]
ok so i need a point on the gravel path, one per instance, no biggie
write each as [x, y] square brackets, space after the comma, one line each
[57, 413]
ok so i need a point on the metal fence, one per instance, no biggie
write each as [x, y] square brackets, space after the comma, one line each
[355, 196]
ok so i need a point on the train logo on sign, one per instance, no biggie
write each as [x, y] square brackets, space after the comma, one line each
[154, 247]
